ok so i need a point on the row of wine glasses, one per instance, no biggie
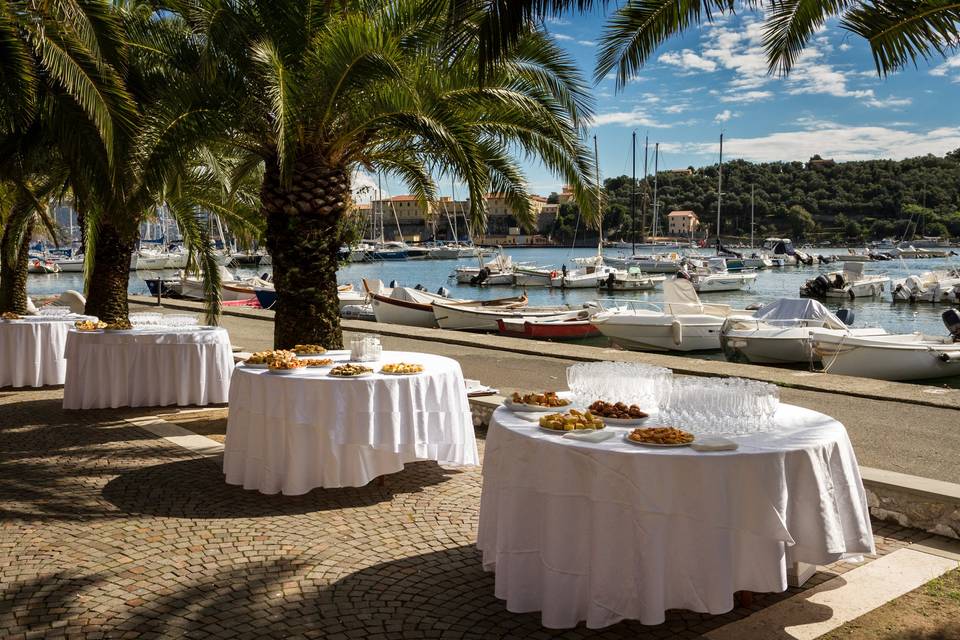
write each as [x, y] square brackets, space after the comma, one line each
[629, 382]
[720, 405]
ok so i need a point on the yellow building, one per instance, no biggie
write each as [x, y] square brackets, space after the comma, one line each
[682, 223]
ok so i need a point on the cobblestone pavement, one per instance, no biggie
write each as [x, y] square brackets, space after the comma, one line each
[109, 532]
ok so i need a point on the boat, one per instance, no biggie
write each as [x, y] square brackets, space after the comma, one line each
[474, 316]
[148, 259]
[780, 332]
[632, 279]
[680, 323]
[527, 276]
[930, 286]
[231, 288]
[849, 283]
[42, 265]
[499, 270]
[666, 263]
[783, 248]
[912, 356]
[587, 276]
[414, 307]
[267, 296]
[572, 325]
[853, 256]
[712, 275]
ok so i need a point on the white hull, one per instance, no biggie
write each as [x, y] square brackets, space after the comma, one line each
[229, 292]
[70, 266]
[632, 284]
[651, 331]
[392, 313]
[860, 289]
[347, 298]
[469, 318]
[781, 345]
[930, 287]
[724, 282]
[574, 282]
[529, 279]
[894, 357]
[757, 263]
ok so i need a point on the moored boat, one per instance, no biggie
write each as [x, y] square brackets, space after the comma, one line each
[472, 316]
[931, 286]
[913, 356]
[712, 275]
[632, 279]
[852, 282]
[573, 325]
[414, 307]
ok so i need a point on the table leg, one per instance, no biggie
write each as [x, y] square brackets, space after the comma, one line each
[745, 598]
[799, 572]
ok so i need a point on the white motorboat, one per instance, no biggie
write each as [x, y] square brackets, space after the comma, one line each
[42, 265]
[414, 307]
[525, 276]
[712, 275]
[632, 279]
[668, 263]
[473, 316]
[780, 332]
[761, 261]
[587, 276]
[148, 260]
[783, 248]
[931, 286]
[72, 264]
[849, 283]
[680, 323]
[499, 270]
[912, 356]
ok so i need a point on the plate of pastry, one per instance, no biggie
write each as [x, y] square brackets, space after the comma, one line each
[286, 366]
[660, 437]
[10, 316]
[261, 359]
[350, 371]
[309, 350]
[89, 325]
[572, 420]
[401, 369]
[618, 414]
[540, 402]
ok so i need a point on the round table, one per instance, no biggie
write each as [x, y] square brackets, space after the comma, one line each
[293, 433]
[611, 531]
[31, 350]
[147, 368]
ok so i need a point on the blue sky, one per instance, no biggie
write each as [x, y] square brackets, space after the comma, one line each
[714, 79]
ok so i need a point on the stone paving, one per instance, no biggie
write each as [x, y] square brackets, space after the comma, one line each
[109, 532]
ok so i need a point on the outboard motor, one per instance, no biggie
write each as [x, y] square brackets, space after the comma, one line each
[481, 276]
[845, 316]
[683, 275]
[443, 291]
[420, 287]
[394, 284]
[951, 319]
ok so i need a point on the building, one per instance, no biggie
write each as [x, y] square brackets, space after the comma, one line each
[817, 161]
[682, 223]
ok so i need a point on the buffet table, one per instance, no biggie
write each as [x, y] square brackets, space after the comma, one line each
[611, 531]
[31, 350]
[293, 433]
[147, 368]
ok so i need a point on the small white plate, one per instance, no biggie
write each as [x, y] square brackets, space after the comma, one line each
[287, 372]
[626, 438]
[304, 354]
[355, 375]
[261, 365]
[118, 330]
[562, 431]
[397, 373]
[11, 320]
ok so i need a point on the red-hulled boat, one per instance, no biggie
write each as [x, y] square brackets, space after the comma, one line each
[574, 325]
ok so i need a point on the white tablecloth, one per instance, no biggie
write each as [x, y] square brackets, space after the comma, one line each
[31, 351]
[147, 368]
[612, 531]
[291, 434]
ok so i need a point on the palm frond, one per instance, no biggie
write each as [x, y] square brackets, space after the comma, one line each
[789, 25]
[281, 91]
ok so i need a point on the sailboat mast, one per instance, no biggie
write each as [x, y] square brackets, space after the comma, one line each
[380, 208]
[453, 205]
[633, 193]
[719, 191]
[596, 157]
[646, 185]
[656, 169]
[751, 215]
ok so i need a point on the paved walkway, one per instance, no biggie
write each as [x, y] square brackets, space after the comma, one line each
[108, 531]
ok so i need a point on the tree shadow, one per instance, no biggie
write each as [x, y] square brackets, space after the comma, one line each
[195, 488]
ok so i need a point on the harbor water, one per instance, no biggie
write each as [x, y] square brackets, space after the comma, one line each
[769, 285]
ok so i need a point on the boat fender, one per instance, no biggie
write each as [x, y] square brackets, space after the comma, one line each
[553, 274]
[420, 287]
[676, 329]
[394, 284]
[953, 356]
[443, 291]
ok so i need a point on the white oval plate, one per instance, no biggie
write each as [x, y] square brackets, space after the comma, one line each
[562, 431]
[261, 365]
[287, 372]
[354, 375]
[626, 438]
[621, 422]
[396, 373]
[519, 406]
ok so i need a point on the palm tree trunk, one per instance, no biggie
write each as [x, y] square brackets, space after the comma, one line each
[304, 233]
[13, 281]
[107, 297]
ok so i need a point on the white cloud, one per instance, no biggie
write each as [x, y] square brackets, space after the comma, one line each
[636, 117]
[951, 66]
[587, 43]
[812, 77]
[688, 61]
[724, 116]
[363, 187]
[747, 96]
[739, 49]
[840, 143]
[563, 37]
[679, 107]
[844, 47]
[891, 102]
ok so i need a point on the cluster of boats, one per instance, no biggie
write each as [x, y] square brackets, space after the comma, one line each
[174, 257]
[376, 251]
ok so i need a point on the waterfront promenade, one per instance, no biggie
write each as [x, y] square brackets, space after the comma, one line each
[111, 530]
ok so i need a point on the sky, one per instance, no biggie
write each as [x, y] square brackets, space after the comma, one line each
[714, 79]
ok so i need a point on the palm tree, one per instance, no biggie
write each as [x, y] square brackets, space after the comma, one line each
[899, 32]
[319, 89]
